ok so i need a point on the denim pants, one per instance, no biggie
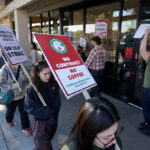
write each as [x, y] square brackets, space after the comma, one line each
[43, 132]
[145, 102]
[97, 75]
[11, 108]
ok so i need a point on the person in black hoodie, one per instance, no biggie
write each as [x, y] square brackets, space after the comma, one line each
[45, 117]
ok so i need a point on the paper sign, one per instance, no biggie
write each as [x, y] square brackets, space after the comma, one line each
[65, 64]
[129, 52]
[83, 41]
[11, 47]
[141, 30]
[101, 28]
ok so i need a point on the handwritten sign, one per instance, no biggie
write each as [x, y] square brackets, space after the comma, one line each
[83, 41]
[11, 47]
[101, 28]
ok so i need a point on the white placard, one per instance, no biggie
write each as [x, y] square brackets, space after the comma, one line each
[141, 30]
[11, 47]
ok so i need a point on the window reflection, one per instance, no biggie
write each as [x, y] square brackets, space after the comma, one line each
[54, 15]
[104, 12]
[36, 25]
[73, 25]
[129, 23]
[45, 23]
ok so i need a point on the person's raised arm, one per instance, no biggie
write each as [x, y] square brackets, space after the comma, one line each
[145, 55]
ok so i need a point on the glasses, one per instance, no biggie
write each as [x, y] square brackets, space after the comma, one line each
[115, 136]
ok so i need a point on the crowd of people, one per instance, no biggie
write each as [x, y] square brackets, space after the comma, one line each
[97, 123]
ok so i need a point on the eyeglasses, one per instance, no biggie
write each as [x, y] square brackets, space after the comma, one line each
[115, 136]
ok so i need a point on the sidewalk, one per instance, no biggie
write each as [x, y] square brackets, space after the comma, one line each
[130, 118]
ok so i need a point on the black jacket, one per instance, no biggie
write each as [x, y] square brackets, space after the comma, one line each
[34, 106]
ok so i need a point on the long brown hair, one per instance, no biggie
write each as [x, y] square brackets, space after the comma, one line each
[35, 75]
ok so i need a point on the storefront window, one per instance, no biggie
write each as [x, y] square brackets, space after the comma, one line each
[73, 25]
[36, 24]
[105, 11]
[45, 23]
[129, 23]
[54, 22]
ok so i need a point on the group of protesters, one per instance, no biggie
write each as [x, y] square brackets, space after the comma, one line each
[97, 123]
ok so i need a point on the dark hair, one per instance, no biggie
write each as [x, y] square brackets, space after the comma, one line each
[79, 47]
[96, 39]
[35, 77]
[34, 45]
[94, 116]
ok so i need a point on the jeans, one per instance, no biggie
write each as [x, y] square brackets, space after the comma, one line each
[145, 102]
[97, 75]
[11, 108]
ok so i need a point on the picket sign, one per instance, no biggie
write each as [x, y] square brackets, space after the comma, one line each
[14, 53]
[66, 65]
[10, 71]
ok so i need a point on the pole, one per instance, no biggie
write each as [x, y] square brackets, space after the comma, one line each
[38, 93]
[86, 95]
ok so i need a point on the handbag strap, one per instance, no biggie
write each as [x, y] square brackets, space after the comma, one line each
[17, 75]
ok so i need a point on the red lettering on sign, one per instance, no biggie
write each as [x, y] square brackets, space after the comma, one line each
[73, 70]
[73, 76]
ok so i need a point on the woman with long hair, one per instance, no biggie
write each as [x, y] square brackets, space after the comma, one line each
[45, 117]
[96, 127]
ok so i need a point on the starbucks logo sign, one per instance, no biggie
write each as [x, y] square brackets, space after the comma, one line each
[58, 46]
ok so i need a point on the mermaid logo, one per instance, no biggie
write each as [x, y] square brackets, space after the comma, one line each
[58, 46]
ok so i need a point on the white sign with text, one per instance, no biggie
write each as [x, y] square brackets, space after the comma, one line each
[141, 30]
[11, 47]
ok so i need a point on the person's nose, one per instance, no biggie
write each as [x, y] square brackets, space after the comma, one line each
[114, 141]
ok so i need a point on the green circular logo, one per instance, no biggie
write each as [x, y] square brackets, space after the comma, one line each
[58, 46]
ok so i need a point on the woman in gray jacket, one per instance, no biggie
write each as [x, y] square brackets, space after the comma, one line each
[7, 83]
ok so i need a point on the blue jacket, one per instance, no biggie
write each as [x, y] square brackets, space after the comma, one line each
[34, 106]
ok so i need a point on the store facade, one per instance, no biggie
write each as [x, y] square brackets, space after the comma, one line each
[123, 75]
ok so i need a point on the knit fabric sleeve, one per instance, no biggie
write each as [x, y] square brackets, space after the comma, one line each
[5, 83]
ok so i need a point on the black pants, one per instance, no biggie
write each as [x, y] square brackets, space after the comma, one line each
[97, 75]
[11, 108]
[43, 132]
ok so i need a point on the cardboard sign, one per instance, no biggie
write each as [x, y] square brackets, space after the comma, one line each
[65, 64]
[101, 28]
[11, 47]
[141, 30]
[83, 41]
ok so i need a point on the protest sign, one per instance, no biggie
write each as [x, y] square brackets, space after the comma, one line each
[65, 64]
[101, 28]
[10, 46]
[83, 41]
[141, 30]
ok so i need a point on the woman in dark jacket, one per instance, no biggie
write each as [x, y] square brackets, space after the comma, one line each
[45, 117]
